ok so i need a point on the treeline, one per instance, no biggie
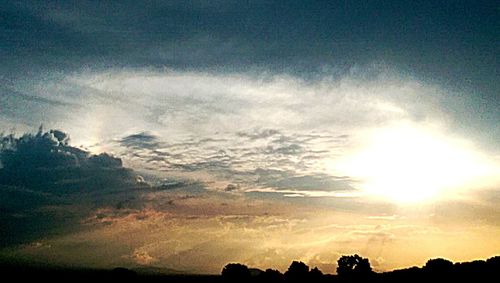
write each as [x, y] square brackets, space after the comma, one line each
[353, 268]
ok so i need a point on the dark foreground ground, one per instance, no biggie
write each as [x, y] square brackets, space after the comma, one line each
[434, 271]
[34, 273]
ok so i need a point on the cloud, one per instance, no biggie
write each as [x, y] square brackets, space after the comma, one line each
[241, 158]
[140, 141]
[289, 149]
[232, 187]
[46, 185]
[46, 162]
[285, 180]
[172, 184]
[70, 37]
[10, 95]
[142, 257]
[384, 217]
[259, 134]
[173, 103]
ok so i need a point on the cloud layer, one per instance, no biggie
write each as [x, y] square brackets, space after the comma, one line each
[243, 128]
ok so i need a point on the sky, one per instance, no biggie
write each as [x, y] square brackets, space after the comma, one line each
[185, 135]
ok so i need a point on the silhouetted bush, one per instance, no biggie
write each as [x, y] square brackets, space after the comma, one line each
[271, 275]
[494, 262]
[438, 266]
[297, 272]
[315, 275]
[353, 266]
[235, 272]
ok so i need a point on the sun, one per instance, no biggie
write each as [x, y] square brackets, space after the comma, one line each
[407, 164]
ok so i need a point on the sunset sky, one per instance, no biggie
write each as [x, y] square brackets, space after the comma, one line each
[257, 132]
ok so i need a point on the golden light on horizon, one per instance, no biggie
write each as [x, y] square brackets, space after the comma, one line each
[407, 164]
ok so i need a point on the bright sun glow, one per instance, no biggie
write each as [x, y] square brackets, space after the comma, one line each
[407, 164]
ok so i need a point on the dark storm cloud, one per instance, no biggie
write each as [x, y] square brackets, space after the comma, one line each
[46, 185]
[46, 162]
[453, 41]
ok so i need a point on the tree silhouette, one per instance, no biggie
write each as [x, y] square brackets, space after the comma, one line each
[271, 275]
[438, 266]
[123, 274]
[297, 272]
[315, 274]
[353, 265]
[494, 262]
[235, 272]
[474, 271]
